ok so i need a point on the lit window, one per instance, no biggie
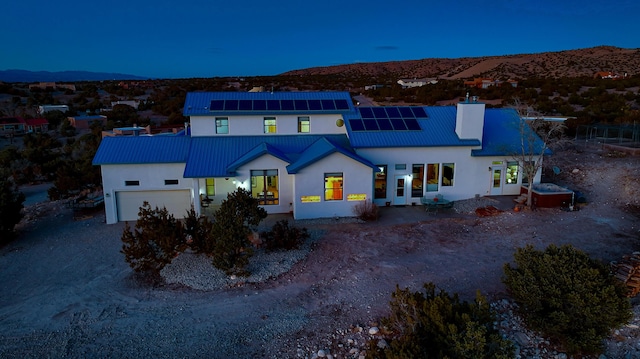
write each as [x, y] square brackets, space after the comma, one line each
[333, 186]
[269, 125]
[433, 177]
[417, 181]
[512, 173]
[381, 182]
[264, 186]
[303, 124]
[447, 174]
[210, 187]
[222, 125]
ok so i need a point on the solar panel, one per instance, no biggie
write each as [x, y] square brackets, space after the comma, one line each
[393, 112]
[419, 112]
[315, 105]
[379, 112]
[245, 105]
[356, 125]
[406, 112]
[328, 105]
[384, 124]
[259, 105]
[287, 105]
[216, 105]
[273, 105]
[301, 105]
[370, 125]
[412, 124]
[342, 105]
[398, 124]
[231, 105]
[366, 112]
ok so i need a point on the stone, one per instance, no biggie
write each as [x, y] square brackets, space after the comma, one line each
[561, 356]
[321, 353]
[382, 344]
[374, 330]
[521, 338]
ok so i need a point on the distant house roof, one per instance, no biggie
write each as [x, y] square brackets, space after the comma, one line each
[265, 103]
[89, 118]
[12, 121]
[142, 150]
[36, 121]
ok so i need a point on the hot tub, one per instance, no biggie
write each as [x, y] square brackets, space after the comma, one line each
[549, 195]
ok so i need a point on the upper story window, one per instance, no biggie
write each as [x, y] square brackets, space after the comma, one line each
[303, 124]
[269, 125]
[222, 125]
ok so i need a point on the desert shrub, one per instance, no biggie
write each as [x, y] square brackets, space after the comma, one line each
[281, 236]
[11, 200]
[566, 295]
[156, 240]
[197, 230]
[366, 211]
[436, 325]
[232, 225]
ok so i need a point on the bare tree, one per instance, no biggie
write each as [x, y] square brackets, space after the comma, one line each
[537, 137]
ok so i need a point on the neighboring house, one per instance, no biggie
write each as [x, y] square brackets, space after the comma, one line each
[608, 75]
[409, 83]
[46, 108]
[52, 86]
[133, 103]
[84, 122]
[483, 83]
[12, 126]
[312, 154]
[35, 125]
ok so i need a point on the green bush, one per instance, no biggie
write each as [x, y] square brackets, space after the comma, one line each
[232, 225]
[567, 296]
[156, 240]
[281, 236]
[437, 325]
[197, 232]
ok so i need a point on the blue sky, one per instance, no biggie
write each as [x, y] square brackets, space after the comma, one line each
[200, 38]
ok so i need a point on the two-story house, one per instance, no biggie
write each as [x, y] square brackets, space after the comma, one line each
[313, 154]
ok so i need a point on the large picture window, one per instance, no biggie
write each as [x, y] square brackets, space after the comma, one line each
[433, 177]
[447, 174]
[417, 181]
[264, 186]
[333, 186]
[222, 125]
[380, 182]
[269, 125]
[303, 124]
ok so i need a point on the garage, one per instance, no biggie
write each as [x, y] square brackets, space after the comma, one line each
[128, 203]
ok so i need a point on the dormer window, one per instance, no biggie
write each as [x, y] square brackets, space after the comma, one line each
[269, 125]
[303, 124]
[222, 125]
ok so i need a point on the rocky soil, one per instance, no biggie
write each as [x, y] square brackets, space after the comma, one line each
[67, 291]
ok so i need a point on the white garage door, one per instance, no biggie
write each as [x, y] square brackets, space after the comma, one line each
[177, 202]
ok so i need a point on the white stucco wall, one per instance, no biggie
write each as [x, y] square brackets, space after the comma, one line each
[357, 179]
[150, 176]
[470, 120]
[472, 175]
[254, 125]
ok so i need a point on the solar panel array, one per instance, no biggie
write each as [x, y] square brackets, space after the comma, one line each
[279, 105]
[388, 119]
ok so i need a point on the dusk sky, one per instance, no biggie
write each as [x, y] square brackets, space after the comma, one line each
[200, 38]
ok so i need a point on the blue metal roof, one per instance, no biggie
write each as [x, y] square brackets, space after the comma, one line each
[142, 150]
[219, 156]
[502, 136]
[321, 149]
[198, 103]
[439, 129]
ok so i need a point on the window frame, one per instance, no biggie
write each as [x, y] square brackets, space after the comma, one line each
[266, 179]
[171, 182]
[131, 183]
[445, 165]
[417, 184]
[333, 177]
[512, 172]
[380, 178]
[219, 120]
[304, 122]
[208, 187]
[268, 126]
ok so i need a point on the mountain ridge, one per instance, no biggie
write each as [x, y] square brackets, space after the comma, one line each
[17, 75]
[566, 63]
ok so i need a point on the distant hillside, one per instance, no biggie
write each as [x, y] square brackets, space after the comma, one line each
[62, 76]
[570, 63]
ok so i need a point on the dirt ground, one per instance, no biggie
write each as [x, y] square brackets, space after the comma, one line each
[67, 291]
